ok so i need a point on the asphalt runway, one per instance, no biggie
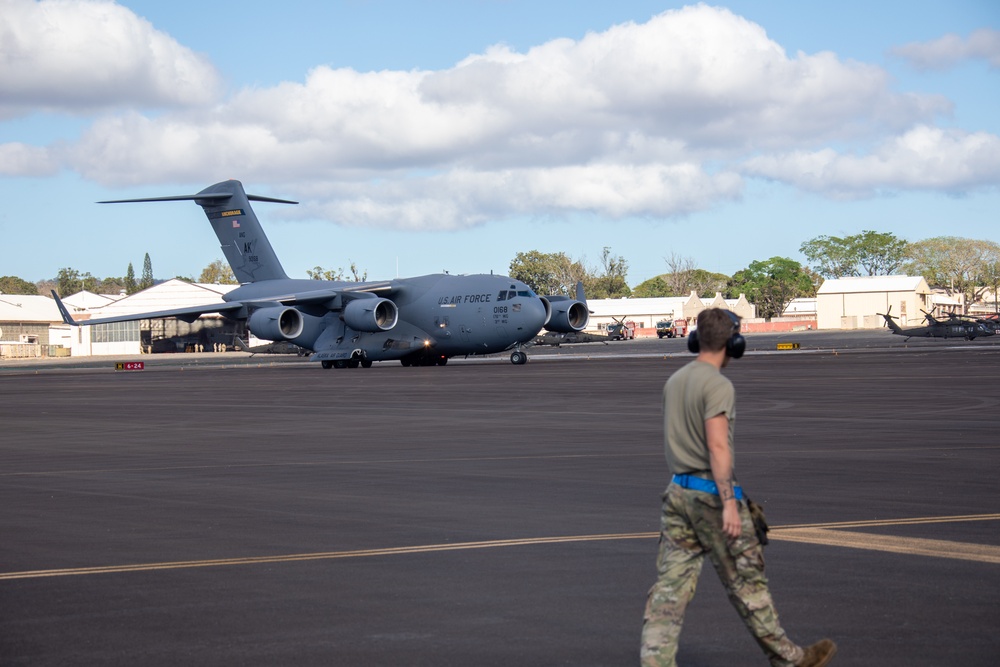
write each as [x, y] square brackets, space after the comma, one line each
[224, 510]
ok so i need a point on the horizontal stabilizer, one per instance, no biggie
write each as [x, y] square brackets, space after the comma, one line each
[241, 238]
[212, 197]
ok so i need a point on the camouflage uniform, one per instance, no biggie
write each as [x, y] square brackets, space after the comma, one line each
[691, 527]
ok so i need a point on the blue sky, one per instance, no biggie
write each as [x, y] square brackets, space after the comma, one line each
[422, 137]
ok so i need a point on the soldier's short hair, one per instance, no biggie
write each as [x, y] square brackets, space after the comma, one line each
[715, 326]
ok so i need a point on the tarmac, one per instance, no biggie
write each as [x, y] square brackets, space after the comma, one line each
[236, 510]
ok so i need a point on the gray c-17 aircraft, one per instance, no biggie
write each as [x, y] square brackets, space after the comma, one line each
[419, 321]
[954, 327]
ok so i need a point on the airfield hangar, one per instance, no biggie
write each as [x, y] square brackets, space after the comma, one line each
[854, 303]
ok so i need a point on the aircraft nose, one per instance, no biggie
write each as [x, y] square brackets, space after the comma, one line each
[534, 316]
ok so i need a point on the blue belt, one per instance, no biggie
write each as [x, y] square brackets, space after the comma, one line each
[699, 484]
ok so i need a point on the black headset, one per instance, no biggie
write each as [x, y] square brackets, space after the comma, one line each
[736, 344]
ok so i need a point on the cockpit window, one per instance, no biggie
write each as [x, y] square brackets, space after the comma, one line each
[505, 295]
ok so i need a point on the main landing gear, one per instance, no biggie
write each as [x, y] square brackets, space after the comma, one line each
[424, 360]
[518, 358]
[353, 362]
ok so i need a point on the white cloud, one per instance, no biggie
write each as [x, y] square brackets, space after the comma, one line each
[75, 56]
[460, 197]
[17, 159]
[925, 158]
[657, 119]
[952, 49]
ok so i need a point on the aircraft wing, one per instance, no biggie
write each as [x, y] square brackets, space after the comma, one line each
[323, 295]
[189, 314]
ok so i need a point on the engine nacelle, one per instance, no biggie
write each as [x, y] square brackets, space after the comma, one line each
[276, 323]
[370, 315]
[567, 315]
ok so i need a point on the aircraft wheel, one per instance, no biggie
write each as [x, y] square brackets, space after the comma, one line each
[518, 358]
[340, 363]
[327, 365]
[404, 361]
[353, 363]
[442, 361]
[366, 363]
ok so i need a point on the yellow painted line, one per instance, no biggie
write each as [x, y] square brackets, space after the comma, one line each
[330, 555]
[895, 522]
[980, 553]
[829, 534]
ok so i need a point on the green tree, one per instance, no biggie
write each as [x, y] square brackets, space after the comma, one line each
[130, 285]
[772, 285]
[218, 273]
[679, 273]
[611, 284]
[356, 275]
[553, 274]
[110, 286]
[706, 283]
[652, 288]
[15, 285]
[866, 254]
[955, 264]
[319, 273]
[991, 278]
[147, 274]
[68, 281]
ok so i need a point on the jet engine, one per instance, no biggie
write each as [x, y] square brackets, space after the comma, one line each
[370, 315]
[276, 323]
[567, 315]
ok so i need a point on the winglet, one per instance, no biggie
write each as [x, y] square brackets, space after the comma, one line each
[67, 318]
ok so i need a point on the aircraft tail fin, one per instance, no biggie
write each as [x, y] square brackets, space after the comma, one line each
[64, 311]
[890, 321]
[243, 241]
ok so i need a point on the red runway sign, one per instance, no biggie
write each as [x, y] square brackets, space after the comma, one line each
[130, 365]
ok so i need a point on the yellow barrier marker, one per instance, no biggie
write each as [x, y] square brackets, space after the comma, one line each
[788, 346]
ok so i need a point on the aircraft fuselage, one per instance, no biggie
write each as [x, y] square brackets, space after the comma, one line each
[439, 314]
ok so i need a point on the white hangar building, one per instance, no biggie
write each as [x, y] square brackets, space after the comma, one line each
[854, 303]
[646, 312]
[25, 325]
[158, 335]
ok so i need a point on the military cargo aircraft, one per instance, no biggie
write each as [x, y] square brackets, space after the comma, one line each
[418, 321]
[954, 327]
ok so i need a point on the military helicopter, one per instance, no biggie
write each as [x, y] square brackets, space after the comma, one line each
[954, 327]
[991, 323]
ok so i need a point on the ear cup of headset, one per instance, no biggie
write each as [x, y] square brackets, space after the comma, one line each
[736, 345]
[693, 346]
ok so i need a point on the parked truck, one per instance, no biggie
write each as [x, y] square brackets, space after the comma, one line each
[677, 328]
[621, 330]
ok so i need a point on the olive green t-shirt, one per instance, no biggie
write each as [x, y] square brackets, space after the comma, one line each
[696, 392]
